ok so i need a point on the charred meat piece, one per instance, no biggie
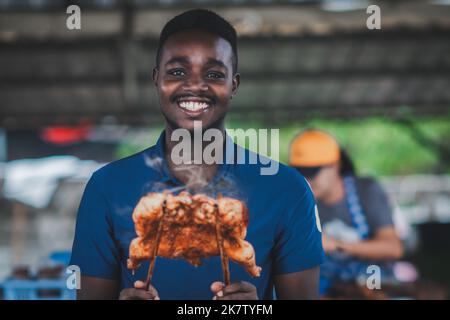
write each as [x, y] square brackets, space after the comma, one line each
[189, 226]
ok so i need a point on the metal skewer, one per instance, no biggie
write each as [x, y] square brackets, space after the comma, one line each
[223, 255]
[154, 254]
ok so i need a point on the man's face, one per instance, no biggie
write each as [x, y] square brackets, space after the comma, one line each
[195, 80]
[324, 181]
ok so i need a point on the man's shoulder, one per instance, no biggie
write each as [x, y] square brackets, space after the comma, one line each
[367, 185]
[284, 179]
[124, 166]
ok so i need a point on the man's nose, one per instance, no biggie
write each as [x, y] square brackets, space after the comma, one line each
[195, 83]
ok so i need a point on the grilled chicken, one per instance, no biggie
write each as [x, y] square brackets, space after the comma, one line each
[188, 229]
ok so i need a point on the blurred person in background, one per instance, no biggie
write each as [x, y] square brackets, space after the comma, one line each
[357, 224]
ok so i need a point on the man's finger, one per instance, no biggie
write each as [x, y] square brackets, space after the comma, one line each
[241, 286]
[136, 294]
[141, 286]
[236, 296]
[153, 291]
[217, 286]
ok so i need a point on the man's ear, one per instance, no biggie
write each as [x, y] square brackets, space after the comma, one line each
[155, 76]
[236, 82]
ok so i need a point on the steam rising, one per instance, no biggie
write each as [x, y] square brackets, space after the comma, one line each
[225, 184]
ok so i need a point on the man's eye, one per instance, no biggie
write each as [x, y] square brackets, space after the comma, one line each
[215, 75]
[176, 72]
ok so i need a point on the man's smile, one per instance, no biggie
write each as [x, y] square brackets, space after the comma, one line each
[194, 106]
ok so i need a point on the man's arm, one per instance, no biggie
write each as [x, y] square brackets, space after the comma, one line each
[385, 245]
[302, 285]
[93, 288]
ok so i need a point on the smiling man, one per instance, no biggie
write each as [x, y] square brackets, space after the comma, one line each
[195, 78]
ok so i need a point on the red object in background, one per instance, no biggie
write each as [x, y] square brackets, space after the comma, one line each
[65, 135]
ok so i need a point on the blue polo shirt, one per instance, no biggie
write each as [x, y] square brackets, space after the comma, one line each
[282, 224]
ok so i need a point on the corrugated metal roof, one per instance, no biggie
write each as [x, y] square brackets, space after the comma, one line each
[49, 78]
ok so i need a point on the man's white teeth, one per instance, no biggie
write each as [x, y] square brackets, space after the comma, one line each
[193, 106]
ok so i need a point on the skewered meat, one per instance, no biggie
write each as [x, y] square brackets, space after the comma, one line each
[191, 227]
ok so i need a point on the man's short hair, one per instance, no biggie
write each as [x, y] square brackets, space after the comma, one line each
[199, 19]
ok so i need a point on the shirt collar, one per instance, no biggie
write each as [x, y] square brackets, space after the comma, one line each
[158, 151]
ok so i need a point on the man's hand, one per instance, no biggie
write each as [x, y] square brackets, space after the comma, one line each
[236, 291]
[384, 245]
[139, 292]
[329, 244]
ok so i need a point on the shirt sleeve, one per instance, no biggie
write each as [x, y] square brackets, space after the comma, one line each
[299, 240]
[94, 250]
[376, 206]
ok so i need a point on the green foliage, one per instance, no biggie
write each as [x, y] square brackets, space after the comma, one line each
[136, 143]
[378, 146]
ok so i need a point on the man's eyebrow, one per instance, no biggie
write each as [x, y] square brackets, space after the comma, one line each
[183, 60]
[213, 61]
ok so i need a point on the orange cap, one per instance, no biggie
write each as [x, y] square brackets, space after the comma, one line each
[313, 148]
